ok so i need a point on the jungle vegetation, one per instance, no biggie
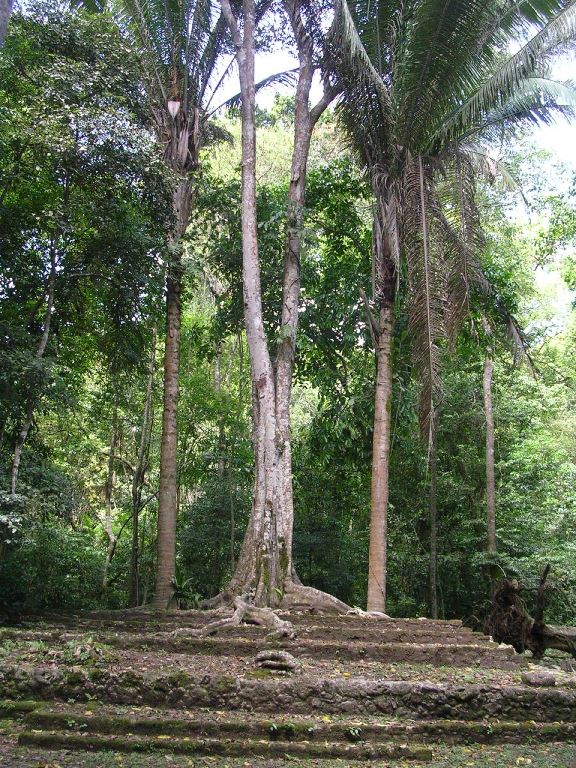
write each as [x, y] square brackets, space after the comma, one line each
[316, 346]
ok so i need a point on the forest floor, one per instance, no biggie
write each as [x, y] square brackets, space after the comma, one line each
[143, 692]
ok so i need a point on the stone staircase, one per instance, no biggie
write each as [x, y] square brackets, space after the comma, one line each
[365, 689]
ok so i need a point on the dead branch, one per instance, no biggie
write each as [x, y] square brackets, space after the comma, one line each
[509, 621]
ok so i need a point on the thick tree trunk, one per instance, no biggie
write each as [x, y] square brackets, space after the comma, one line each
[168, 493]
[33, 399]
[264, 560]
[5, 11]
[377, 556]
[490, 475]
[433, 529]
[264, 567]
[139, 475]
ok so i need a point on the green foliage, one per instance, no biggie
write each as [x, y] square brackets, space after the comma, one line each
[52, 566]
[80, 176]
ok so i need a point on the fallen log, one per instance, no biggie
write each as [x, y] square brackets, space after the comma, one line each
[509, 621]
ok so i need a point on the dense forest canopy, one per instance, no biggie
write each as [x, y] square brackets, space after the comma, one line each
[403, 244]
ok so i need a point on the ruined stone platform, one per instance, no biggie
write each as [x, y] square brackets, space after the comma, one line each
[364, 689]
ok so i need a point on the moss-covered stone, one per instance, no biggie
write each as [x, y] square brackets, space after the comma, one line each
[179, 679]
[260, 673]
[75, 677]
[13, 709]
[66, 740]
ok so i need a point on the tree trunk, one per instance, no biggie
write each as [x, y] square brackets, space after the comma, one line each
[32, 398]
[139, 475]
[433, 528]
[490, 475]
[221, 430]
[377, 556]
[168, 494]
[5, 11]
[264, 567]
[382, 330]
[109, 489]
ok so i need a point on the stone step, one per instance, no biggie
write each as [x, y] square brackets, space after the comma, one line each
[491, 656]
[297, 694]
[214, 725]
[174, 619]
[227, 747]
[14, 709]
[368, 633]
[473, 653]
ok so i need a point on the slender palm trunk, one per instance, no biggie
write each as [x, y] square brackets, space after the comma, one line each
[139, 475]
[221, 429]
[33, 399]
[490, 475]
[433, 529]
[382, 328]
[168, 493]
[109, 490]
[377, 556]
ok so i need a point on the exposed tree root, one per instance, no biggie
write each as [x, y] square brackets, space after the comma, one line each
[367, 614]
[509, 621]
[296, 597]
[221, 600]
[244, 613]
[279, 660]
[299, 597]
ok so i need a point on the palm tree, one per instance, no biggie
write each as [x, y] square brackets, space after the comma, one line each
[179, 44]
[186, 52]
[427, 85]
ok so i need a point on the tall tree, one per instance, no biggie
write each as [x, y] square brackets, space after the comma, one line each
[490, 474]
[426, 85]
[179, 46]
[180, 49]
[5, 11]
[265, 563]
[139, 475]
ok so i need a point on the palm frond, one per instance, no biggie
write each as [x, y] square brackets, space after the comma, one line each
[473, 281]
[133, 14]
[385, 241]
[486, 166]
[438, 61]
[427, 290]
[498, 88]
[349, 56]
[287, 78]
